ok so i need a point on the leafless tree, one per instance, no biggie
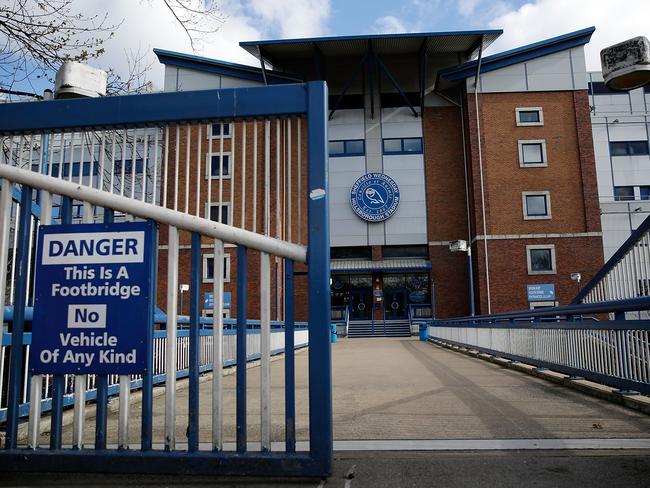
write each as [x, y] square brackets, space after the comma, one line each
[37, 36]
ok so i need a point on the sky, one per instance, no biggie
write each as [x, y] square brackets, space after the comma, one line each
[147, 24]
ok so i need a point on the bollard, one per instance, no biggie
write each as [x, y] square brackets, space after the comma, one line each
[334, 336]
[424, 332]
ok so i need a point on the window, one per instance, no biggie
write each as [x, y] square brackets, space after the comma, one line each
[407, 145]
[644, 192]
[541, 259]
[527, 116]
[219, 211]
[623, 193]
[216, 130]
[208, 268]
[537, 205]
[404, 251]
[532, 153]
[351, 252]
[354, 147]
[628, 148]
[215, 166]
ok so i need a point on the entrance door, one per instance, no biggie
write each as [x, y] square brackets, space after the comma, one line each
[395, 303]
[360, 305]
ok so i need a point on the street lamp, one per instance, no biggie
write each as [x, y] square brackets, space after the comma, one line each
[183, 288]
[462, 246]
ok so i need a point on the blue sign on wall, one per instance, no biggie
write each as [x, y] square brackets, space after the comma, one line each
[374, 197]
[538, 293]
[208, 300]
[93, 296]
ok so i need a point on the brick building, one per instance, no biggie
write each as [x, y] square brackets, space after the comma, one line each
[412, 168]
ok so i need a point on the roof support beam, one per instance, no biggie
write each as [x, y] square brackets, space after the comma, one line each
[259, 50]
[393, 81]
[423, 74]
[319, 68]
[348, 84]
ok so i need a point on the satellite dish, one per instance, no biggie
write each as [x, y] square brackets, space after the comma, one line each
[626, 65]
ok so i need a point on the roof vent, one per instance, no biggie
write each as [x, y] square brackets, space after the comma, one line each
[77, 80]
[626, 65]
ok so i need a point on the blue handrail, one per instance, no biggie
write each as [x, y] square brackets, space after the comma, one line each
[613, 261]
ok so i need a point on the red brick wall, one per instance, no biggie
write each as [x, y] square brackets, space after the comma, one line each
[289, 201]
[569, 177]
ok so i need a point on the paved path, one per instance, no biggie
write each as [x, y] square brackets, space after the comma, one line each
[405, 389]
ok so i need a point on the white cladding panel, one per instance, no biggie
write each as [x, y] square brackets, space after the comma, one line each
[565, 70]
[183, 79]
[400, 122]
[346, 124]
[631, 170]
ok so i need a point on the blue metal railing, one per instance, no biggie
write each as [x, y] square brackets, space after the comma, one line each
[569, 339]
[159, 374]
[625, 275]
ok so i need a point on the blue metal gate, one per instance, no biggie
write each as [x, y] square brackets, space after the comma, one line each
[34, 169]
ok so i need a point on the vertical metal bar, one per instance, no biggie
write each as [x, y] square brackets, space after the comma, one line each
[195, 310]
[5, 225]
[102, 162]
[176, 165]
[299, 176]
[123, 421]
[154, 178]
[111, 186]
[243, 175]
[217, 352]
[166, 168]
[220, 174]
[18, 325]
[233, 160]
[58, 383]
[289, 359]
[101, 381]
[146, 429]
[255, 176]
[198, 171]
[123, 168]
[134, 157]
[145, 158]
[188, 128]
[242, 278]
[170, 354]
[267, 177]
[320, 373]
[287, 203]
[79, 411]
[265, 351]
[209, 170]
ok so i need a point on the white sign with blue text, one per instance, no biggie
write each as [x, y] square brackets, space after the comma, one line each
[93, 297]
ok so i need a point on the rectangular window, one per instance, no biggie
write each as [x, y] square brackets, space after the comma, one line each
[644, 192]
[527, 116]
[353, 147]
[217, 130]
[407, 145]
[404, 251]
[216, 165]
[628, 148]
[532, 153]
[218, 211]
[623, 193]
[541, 259]
[208, 268]
[537, 205]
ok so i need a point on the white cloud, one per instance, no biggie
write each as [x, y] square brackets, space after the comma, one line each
[388, 25]
[148, 24]
[293, 18]
[467, 7]
[541, 19]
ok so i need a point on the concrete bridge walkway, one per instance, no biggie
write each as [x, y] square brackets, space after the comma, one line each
[391, 389]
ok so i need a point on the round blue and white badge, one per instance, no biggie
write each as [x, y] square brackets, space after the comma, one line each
[374, 197]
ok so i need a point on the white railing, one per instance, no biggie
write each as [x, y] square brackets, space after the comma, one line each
[599, 353]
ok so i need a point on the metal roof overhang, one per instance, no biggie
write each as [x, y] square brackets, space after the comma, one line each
[384, 265]
[281, 51]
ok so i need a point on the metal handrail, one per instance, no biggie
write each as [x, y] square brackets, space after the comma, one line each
[630, 305]
[636, 237]
[161, 215]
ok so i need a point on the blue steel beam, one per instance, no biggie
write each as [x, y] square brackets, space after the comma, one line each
[242, 289]
[318, 287]
[18, 326]
[136, 110]
[289, 359]
[195, 312]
